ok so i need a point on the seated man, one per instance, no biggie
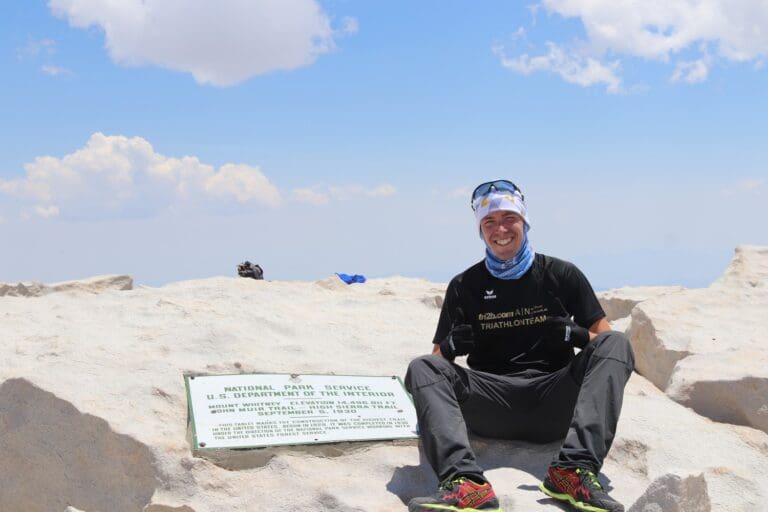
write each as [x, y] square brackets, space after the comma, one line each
[519, 315]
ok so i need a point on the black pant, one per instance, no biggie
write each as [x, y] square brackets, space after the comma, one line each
[580, 402]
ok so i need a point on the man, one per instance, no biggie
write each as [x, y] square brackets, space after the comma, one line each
[518, 316]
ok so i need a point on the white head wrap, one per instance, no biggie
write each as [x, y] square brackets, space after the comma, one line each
[500, 200]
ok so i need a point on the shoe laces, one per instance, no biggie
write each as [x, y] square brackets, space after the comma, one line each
[448, 484]
[589, 479]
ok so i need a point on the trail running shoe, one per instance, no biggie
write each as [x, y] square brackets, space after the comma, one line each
[580, 488]
[459, 494]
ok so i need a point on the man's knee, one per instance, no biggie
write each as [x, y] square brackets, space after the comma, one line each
[614, 345]
[426, 370]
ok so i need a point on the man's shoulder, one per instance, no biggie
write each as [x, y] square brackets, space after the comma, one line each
[475, 271]
[560, 272]
[553, 264]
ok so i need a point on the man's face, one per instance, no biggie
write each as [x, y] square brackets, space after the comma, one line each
[503, 233]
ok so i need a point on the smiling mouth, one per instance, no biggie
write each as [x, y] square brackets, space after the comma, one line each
[503, 241]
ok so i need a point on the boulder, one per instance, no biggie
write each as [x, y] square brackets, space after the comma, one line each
[660, 441]
[96, 284]
[730, 387]
[23, 290]
[708, 348]
[618, 302]
[672, 493]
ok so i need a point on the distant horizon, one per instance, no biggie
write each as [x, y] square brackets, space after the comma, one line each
[349, 140]
[702, 281]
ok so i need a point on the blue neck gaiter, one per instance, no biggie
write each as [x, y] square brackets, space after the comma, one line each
[514, 268]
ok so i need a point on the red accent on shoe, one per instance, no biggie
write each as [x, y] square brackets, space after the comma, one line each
[568, 481]
[471, 495]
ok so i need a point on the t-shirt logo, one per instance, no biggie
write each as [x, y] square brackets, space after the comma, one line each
[489, 295]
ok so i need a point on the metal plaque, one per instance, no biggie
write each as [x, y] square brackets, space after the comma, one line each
[259, 410]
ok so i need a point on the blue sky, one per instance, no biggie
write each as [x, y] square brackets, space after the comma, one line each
[171, 140]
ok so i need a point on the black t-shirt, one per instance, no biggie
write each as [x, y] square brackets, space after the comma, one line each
[506, 314]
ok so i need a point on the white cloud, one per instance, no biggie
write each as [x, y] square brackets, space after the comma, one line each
[243, 183]
[55, 70]
[36, 47]
[347, 192]
[660, 30]
[755, 185]
[350, 25]
[691, 72]
[460, 192]
[320, 195]
[220, 43]
[42, 50]
[749, 186]
[520, 33]
[310, 196]
[46, 212]
[382, 191]
[117, 175]
[572, 68]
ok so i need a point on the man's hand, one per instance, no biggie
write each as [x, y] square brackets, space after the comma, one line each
[460, 340]
[561, 332]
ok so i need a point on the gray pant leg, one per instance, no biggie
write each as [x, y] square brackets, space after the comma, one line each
[450, 398]
[581, 402]
[437, 388]
[602, 369]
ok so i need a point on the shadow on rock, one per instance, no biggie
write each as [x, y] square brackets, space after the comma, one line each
[55, 456]
[410, 481]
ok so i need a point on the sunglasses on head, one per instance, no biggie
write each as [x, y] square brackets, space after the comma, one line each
[486, 188]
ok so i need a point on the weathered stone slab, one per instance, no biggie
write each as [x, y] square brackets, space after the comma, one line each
[671, 493]
[54, 455]
[618, 302]
[708, 348]
[731, 387]
[96, 284]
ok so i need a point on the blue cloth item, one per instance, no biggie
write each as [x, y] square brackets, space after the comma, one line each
[514, 268]
[349, 279]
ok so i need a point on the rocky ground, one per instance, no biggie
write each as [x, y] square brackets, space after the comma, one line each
[93, 410]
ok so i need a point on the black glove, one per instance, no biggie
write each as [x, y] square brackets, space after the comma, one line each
[561, 332]
[460, 340]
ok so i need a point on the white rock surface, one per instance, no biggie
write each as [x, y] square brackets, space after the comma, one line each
[618, 302]
[621, 324]
[93, 411]
[708, 348]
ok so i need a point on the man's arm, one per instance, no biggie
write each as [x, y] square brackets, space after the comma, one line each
[447, 313]
[596, 328]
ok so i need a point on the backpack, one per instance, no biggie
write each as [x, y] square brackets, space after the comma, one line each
[248, 269]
